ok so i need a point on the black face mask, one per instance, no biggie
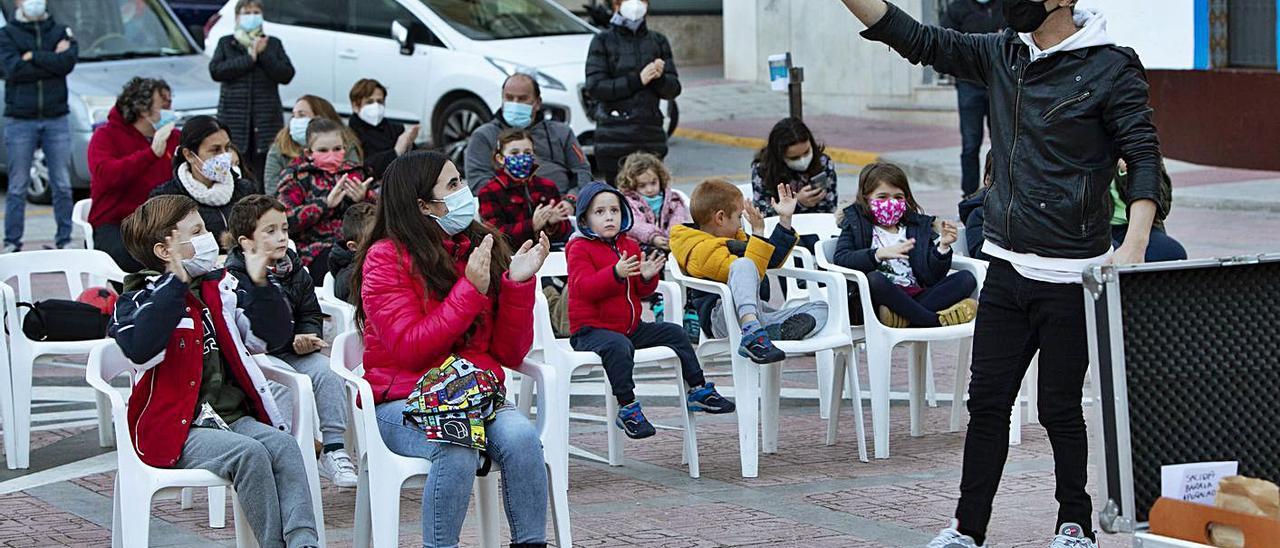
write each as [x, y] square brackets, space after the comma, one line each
[1025, 15]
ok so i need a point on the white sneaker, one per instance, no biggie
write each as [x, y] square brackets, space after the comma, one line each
[338, 468]
[951, 538]
[1071, 535]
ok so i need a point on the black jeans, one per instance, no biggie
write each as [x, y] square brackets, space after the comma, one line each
[1160, 247]
[921, 310]
[618, 352]
[1016, 317]
[974, 110]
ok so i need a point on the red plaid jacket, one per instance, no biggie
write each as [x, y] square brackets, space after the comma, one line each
[312, 224]
[508, 205]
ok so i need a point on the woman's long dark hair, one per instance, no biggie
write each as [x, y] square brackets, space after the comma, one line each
[408, 179]
[772, 159]
[194, 132]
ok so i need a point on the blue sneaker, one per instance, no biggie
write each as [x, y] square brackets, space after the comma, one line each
[692, 326]
[706, 399]
[631, 420]
[757, 346]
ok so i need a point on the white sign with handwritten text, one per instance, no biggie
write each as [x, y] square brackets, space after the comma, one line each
[1195, 482]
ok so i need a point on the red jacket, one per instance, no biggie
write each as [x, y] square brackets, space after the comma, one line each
[408, 331]
[597, 297]
[123, 170]
[508, 206]
[160, 329]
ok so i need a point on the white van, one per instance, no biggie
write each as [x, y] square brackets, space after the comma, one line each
[443, 61]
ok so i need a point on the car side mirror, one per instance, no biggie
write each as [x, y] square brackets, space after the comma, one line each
[400, 32]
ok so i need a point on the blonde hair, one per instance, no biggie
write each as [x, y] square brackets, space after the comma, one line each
[713, 195]
[321, 108]
[638, 163]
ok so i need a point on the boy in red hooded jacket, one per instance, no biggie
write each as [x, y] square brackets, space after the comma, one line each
[609, 275]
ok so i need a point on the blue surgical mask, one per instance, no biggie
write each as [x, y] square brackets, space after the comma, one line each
[517, 115]
[251, 21]
[166, 117]
[298, 130]
[33, 9]
[462, 211]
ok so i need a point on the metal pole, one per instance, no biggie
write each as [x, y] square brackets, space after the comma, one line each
[794, 92]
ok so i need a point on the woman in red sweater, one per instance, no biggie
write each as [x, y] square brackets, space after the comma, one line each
[128, 157]
[436, 284]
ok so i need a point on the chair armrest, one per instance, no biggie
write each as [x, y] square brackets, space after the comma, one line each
[343, 315]
[552, 404]
[977, 267]
[859, 278]
[837, 291]
[274, 369]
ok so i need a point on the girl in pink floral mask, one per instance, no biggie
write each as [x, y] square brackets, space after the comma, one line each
[905, 254]
[317, 188]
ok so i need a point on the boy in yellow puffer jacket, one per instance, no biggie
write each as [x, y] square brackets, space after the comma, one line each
[714, 247]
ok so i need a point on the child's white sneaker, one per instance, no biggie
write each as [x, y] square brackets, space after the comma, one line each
[1071, 535]
[337, 467]
[951, 538]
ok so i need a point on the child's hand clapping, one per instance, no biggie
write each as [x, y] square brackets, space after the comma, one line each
[949, 235]
[785, 205]
[256, 262]
[356, 189]
[754, 218]
[652, 265]
[898, 251]
[628, 265]
[336, 194]
[478, 264]
[174, 266]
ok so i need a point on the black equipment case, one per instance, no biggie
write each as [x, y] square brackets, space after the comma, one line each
[1185, 360]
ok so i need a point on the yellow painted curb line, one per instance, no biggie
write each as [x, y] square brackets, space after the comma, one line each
[840, 155]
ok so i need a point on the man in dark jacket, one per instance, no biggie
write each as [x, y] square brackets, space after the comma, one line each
[251, 68]
[629, 71]
[1065, 101]
[37, 54]
[560, 158]
[980, 17]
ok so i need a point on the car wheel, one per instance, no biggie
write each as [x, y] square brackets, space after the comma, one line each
[38, 189]
[455, 125]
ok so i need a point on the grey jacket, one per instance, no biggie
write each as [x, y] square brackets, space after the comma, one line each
[560, 158]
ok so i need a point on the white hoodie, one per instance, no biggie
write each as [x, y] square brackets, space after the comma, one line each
[1093, 32]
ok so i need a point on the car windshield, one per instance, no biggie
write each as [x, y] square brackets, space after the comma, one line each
[117, 29]
[503, 19]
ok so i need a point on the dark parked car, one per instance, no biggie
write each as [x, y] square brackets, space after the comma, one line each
[195, 15]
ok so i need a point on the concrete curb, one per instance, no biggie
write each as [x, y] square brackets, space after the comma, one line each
[839, 155]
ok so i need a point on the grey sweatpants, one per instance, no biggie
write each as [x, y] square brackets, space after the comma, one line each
[331, 401]
[744, 285]
[265, 467]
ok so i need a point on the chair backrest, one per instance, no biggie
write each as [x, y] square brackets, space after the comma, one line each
[556, 265]
[73, 263]
[682, 196]
[747, 191]
[822, 225]
[325, 290]
[826, 251]
[544, 335]
[80, 218]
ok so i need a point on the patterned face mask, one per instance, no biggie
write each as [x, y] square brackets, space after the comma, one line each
[519, 166]
[888, 212]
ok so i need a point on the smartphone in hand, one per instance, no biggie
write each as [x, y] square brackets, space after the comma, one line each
[821, 181]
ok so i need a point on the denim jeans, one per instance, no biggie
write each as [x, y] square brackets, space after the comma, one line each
[21, 139]
[974, 108]
[514, 447]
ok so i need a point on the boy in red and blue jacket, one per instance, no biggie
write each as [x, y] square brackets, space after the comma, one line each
[202, 402]
[608, 277]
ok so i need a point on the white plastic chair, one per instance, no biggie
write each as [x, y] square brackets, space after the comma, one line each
[560, 353]
[383, 473]
[138, 483]
[80, 218]
[881, 340]
[342, 312]
[757, 388]
[23, 352]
